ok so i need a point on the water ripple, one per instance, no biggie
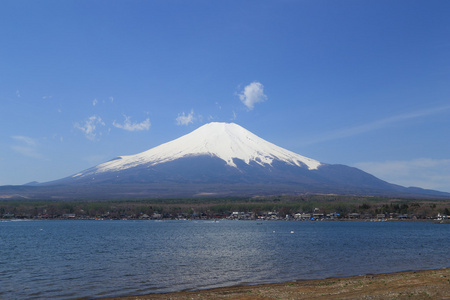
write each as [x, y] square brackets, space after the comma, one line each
[84, 259]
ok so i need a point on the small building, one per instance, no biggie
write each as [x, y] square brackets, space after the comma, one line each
[8, 216]
[68, 216]
[332, 216]
[354, 216]
[302, 216]
[318, 216]
[306, 216]
[156, 216]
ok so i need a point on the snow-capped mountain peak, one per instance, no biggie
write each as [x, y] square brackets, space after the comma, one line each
[218, 159]
[226, 141]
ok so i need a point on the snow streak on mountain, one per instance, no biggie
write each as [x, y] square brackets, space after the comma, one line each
[226, 141]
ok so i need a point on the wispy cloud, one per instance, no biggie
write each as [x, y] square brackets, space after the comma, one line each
[422, 172]
[26, 146]
[26, 151]
[252, 94]
[89, 126]
[24, 139]
[127, 125]
[184, 119]
[94, 102]
[58, 137]
[352, 131]
[18, 93]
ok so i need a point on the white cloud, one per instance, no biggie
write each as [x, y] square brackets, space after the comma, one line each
[422, 172]
[89, 126]
[27, 151]
[27, 140]
[234, 117]
[184, 119]
[111, 99]
[18, 93]
[252, 94]
[58, 137]
[94, 103]
[27, 147]
[127, 125]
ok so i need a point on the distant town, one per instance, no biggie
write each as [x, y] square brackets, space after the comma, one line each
[311, 208]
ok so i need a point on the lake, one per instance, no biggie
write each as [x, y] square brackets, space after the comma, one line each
[94, 259]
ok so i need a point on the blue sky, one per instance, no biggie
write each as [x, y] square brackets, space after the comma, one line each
[361, 83]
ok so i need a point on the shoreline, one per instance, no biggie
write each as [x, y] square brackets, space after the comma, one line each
[423, 284]
[436, 221]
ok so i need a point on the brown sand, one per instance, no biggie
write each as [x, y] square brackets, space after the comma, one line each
[431, 284]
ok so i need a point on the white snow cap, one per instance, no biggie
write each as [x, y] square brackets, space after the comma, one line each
[223, 140]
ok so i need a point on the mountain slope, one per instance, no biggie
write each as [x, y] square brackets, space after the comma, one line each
[219, 159]
[225, 141]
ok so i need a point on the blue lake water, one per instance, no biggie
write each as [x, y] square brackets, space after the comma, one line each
[94, 259]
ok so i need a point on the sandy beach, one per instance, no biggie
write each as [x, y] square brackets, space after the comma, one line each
[430, 284]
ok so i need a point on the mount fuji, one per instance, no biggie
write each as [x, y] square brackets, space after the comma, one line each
[229, 147]
[220, 159]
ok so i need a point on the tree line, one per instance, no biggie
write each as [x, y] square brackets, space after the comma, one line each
[343, 206]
